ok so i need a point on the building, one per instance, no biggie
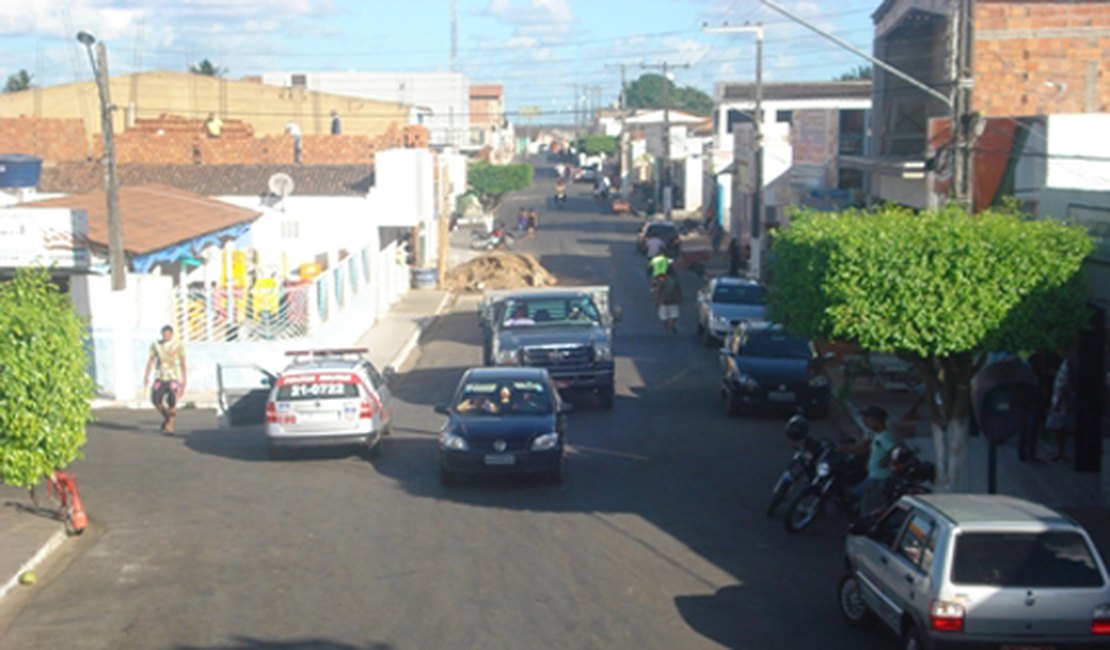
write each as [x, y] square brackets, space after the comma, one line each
[439, 101]
[487, 113]
[807, 128]
[150, 95]
[653, 135]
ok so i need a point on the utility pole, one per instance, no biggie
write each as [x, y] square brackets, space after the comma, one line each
[622, 102]
[116, 260]
[963, 127]
[756, 260]
[668, 181]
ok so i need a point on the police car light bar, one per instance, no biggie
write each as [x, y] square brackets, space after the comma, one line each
[326, 352]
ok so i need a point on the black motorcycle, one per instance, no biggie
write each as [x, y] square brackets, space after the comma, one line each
[802, 466]
[908, 474]
[836, 473]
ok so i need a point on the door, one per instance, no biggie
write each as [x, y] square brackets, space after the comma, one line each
[242, 393]
[873, 561]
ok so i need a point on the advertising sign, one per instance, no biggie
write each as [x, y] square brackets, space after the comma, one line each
[53, 237]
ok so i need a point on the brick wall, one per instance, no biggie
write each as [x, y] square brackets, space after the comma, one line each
[1037, 58]
[176, 140]
[52, 139]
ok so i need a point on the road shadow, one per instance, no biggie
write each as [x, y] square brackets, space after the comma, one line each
[454, 326]
[252, 643]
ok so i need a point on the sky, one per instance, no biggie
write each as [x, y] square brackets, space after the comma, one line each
[542, 51]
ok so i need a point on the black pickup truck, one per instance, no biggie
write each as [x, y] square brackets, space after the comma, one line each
[567, 331]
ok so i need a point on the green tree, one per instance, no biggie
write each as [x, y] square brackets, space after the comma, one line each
[490, 183]
[595, 144]
[656, 91]
[44, 383]
[18, 81]
[858, 73]
[939, 289]
[207, 68]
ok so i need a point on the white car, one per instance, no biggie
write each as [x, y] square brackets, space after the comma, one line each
[723, 303]
[332, 397]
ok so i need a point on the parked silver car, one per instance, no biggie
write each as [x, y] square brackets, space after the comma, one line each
[724, 303]
[965, 570]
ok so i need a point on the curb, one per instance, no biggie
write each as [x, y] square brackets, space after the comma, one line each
[49, 547]
[422, 326]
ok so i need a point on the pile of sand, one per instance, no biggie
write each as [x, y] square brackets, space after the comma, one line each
[498, 270]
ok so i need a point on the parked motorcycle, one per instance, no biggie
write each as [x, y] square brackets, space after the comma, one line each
[908, 474]
[802, 466]
[836, 473]
[499, 237]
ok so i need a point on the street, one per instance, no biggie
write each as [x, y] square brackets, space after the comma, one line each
[656, 540]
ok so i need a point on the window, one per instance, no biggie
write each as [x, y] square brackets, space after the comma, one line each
[886, 531]
[784, 116]
[738, 117]
[739, 294]
[916, 540]
[1042, 560]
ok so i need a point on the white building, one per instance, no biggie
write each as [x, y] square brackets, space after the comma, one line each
[440, 100]
[671, 130]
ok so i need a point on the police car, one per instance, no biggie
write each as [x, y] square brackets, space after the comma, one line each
[323, 398]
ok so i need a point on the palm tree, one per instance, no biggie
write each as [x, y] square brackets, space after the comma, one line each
[19, 81]
[207, 68]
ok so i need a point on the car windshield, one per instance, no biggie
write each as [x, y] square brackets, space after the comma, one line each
[1050, 559]
[576, 311]
[739, 294]
[776, 345]
[498, 398]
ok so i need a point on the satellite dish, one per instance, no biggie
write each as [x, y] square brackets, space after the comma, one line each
[281, 184]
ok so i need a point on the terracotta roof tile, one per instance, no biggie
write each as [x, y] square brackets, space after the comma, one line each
[214, 180]
[153, 216]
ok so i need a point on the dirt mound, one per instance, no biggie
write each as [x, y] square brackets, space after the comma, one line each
[499, 271]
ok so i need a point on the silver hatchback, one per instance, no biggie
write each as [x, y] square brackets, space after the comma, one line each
[964, 570]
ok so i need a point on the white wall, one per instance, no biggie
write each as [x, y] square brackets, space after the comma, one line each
[447, 94]
[1077, 152]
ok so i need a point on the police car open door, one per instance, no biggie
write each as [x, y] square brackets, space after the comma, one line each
[243, 391]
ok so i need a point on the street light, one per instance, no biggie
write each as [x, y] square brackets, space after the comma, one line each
[99, 63]
[755, 263]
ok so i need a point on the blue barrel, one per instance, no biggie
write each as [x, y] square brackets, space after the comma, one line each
[19, 170]
[424, 278]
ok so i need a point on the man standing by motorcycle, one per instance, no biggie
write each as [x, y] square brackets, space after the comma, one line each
[877, 444]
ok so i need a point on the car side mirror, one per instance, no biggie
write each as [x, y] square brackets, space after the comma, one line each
[442, 409]
[268, 382]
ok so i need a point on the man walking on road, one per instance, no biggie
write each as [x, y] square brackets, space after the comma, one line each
[668, 297]
[169, 379]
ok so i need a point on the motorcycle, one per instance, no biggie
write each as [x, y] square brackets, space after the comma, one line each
[802, 466]
[560, 196]
[836, 473]
[908, 474]
[499, 237]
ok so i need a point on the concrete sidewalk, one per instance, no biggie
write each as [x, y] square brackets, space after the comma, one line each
[27, 538]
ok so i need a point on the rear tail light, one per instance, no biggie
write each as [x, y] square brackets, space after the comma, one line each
[368, 407]
[271, 413]
[1100, 621]
[946, 616]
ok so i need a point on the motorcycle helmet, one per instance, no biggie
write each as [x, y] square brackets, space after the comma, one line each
[797, 427]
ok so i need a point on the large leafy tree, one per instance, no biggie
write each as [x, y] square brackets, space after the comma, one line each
[656, 91]
[207, 68]
[44, 383]
[595, 144]
[18, 81]
[490, 183]
[939, 289]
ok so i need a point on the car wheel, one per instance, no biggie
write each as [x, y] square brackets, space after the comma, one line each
[803, 510]
[606, 396]
[852, 606]
[911, 638]
[733, 405]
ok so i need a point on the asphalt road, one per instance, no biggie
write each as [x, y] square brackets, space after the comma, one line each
[656, 540]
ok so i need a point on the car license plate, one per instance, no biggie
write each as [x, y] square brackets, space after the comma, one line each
[780, 396]
[500, 459]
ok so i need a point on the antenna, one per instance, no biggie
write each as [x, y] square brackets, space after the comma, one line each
[281, 185]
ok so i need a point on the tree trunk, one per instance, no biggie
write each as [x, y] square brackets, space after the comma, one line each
[953, 469]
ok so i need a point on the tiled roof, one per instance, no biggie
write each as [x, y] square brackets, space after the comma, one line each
[486, 90]
[214, 180]
[154, 216]
[799, 90]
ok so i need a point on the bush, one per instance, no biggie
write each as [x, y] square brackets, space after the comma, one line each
[44, 383]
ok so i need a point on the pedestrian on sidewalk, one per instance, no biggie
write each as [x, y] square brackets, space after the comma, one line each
[716, 235]
[734, 260]
[1061, 412]
[668, 297]
[168, 358]
[294, 129]
[533, 222]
